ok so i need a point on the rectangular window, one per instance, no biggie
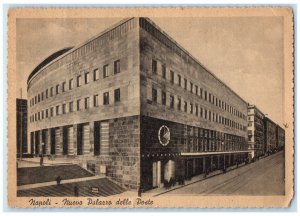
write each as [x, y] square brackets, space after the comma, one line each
[42, 96]
[163, 70]
[78, 80]
[179, 80]
[196, 107]
[42, 114]
[205, 95]
[86, 77]
[105, 71]
[179, 104]
[117, 67]
[86, 102]
[201, 112]
[163, 98]
[201, 93]
[46, 93]
[51, 112]
[105, 98]
[154, 66]
[209, 97]
[191, 108]
[171, 101]
[71, 85]
[63, 87]
[96, 103]
[117, 95]
[154, 95]
[39, 98]
[191, 86]
[64, 109]
[185, 106]
[47, 113]
[172, 76]
[71, 108]
[205, 114]
[185, 84]
[57, 110]
[96, 74]
[57, 88]
[196, 90]
[78, 104]
[51, 91]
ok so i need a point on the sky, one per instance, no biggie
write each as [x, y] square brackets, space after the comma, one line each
[246, 53]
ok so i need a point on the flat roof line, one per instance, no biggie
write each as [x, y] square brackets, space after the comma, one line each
[81, 45]
[192, 57]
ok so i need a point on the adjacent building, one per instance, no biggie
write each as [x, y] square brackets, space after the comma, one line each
[135, 105]
[256, 137]
[270, 135]
[21, 127]
[280, 138]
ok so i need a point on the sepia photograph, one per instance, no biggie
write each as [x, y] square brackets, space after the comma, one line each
[132, 109]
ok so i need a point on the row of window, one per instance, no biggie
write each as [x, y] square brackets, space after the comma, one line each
[204, 140]
[63, 109]
[203, 94]
[60, 88]
[194, 109]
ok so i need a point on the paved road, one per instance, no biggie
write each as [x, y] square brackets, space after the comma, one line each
[264, 177]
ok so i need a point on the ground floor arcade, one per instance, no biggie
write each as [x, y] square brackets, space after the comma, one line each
[163, 171]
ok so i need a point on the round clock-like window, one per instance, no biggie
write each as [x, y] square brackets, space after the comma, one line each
[164, 135]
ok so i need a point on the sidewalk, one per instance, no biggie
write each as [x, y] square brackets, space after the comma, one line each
[162, 190]
[37, 185]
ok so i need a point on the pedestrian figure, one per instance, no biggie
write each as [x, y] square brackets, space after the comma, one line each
[58, 180]
[76, 191]
[139, 192]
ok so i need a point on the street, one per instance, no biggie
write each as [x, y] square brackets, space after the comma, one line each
[263, 177]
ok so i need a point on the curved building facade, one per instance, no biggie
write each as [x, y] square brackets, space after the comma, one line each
[133, 104]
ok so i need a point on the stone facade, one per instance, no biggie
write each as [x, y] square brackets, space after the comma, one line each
[117, 44]
[124, 151]
[226, 111]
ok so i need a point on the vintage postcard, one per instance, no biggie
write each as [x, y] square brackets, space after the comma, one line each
[150, 108]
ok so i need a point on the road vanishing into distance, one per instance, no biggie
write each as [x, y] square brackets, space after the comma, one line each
[263, 177]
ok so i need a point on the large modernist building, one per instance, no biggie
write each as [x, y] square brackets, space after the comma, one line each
[256, 129]
[135, 105]
[21, 126]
